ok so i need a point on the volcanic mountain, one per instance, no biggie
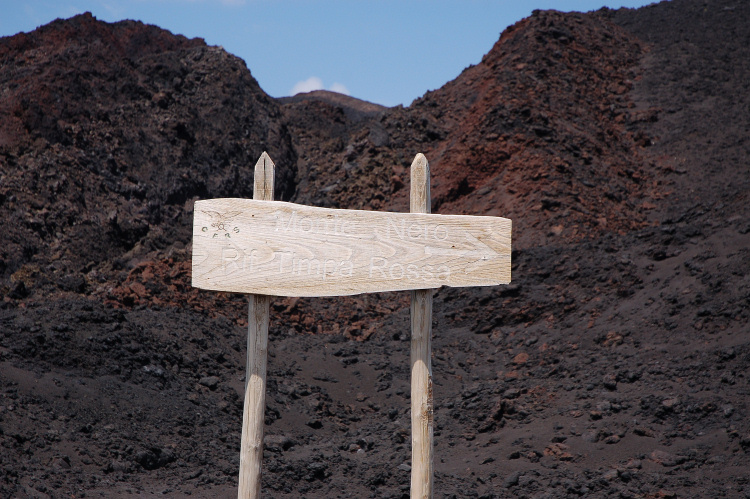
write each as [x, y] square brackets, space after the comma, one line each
[614, 364]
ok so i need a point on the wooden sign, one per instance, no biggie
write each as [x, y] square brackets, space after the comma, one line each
[286, 249]
[263, 247]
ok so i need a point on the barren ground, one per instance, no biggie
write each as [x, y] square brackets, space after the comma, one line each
[614, 365]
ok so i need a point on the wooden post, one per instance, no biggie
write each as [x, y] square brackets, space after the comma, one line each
[421, 353]
[251, 451]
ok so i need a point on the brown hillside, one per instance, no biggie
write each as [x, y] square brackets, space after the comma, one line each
[536, 131]
[109, 132]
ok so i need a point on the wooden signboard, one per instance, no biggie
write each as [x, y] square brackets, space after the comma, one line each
[263, 247]
[285, 249]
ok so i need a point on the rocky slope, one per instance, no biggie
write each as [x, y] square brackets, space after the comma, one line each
[92, 114]
[614, 364]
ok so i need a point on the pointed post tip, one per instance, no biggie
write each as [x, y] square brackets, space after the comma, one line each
[419, 198]
[263, 182]
[265, 155]
[264, 161]
[420, 165]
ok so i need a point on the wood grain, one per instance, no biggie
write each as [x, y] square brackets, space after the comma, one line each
[421, 355]
[286, 249]
[253, 414]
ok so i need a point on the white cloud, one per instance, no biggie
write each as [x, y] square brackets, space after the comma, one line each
[308, 85]
[315, 83]
[338, 87]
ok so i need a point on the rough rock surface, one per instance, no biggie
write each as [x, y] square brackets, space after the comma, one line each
[614, 365]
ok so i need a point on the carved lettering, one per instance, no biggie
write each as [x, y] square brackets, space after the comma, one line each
[328, 225]
[379, 268]
[346, 268]
[378, 263]
[326, 268]
[417, 231]
[396, 271]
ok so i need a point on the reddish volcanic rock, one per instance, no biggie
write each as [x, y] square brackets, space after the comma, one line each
[537, 131]
[109, 132]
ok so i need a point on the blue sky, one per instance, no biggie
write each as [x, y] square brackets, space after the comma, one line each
[387, 51]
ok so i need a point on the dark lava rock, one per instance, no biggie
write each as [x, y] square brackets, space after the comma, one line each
[154, 458]
[616, 141]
